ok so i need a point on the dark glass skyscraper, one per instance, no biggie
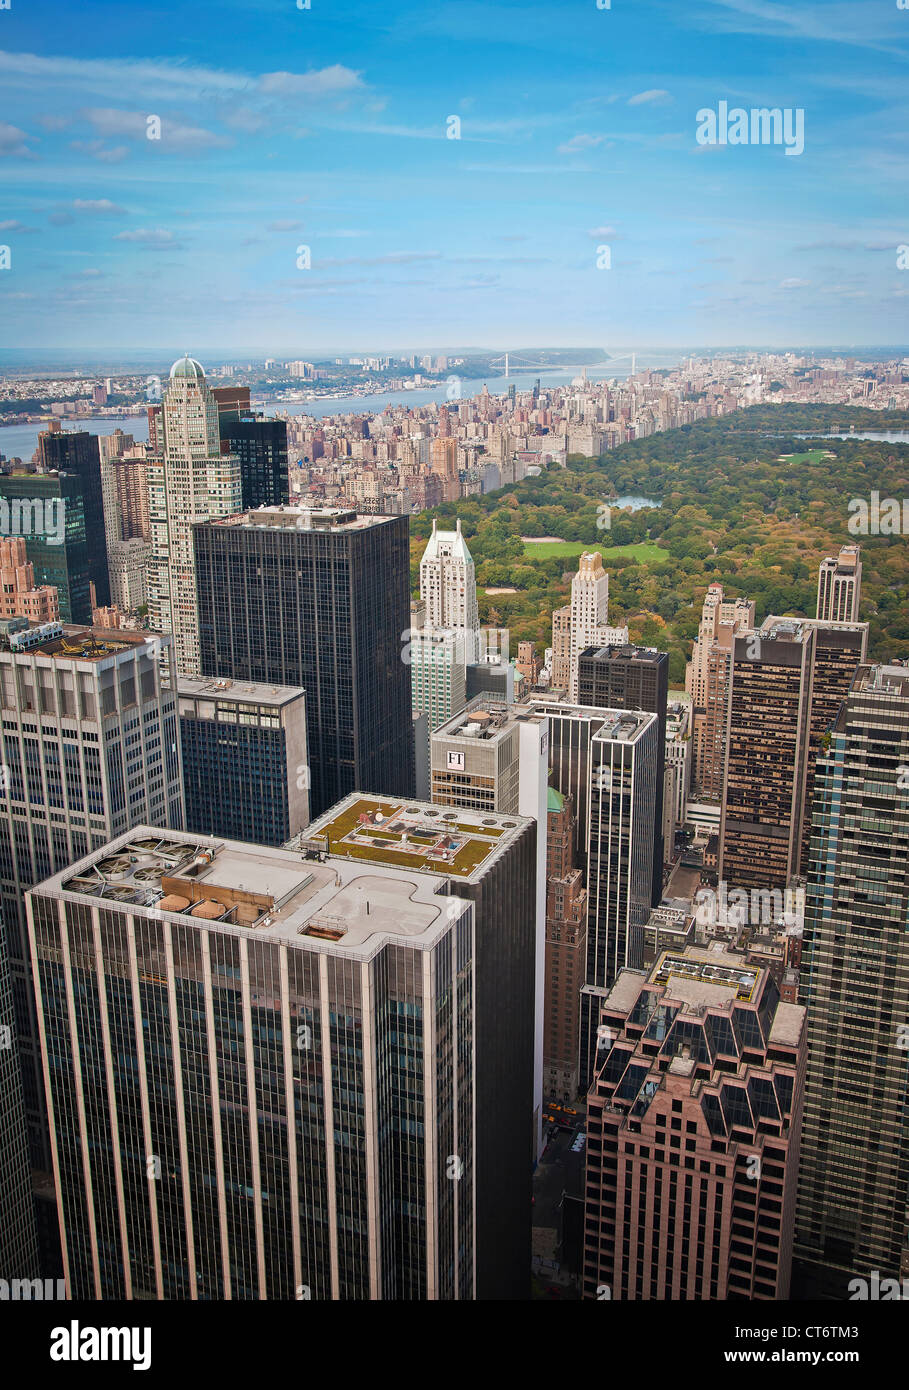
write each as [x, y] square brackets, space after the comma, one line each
[78, 453]
[632, 678]
[852, 1219]
[51, 512]
[261, 446]
[318, 599]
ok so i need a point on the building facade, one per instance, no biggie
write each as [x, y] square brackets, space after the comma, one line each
[189, 480]
[448, 586]
[839, 586]
[317, 599]
[693, 1131]
[78, 453]
[245, 767]
[854, 980]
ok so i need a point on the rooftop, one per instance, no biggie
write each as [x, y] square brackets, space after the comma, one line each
[413, 835]
[329, 905]
[74, 643]
[240, 692]
[291, 517]
[705, 976]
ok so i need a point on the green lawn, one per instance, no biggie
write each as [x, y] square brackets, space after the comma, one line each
[645, 552]
[812, 456]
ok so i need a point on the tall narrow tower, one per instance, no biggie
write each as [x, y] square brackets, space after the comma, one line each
[191, 480]
[448, 586]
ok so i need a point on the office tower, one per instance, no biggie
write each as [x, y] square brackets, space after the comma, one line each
[566, 950]
[18, 1236]
[298, 1117]
[788, 681]
[448, 586]
[438, 671]
[606, 760]
[678, 773]
[839, 586]
[496, 871]
[318, 599]
[245, 769]
[628, 677]
[707, 684]
[854, 1176]
[126, 483]
[47, 509]
[494, 757]
[128, 565]
[590, 615]
[189, 480]
[490, 676]
[90, 746]
[527, 663]
[261, 447]
[20, 597]
[561, 648]
[693, 1130]
[232, 401]
[78, 453]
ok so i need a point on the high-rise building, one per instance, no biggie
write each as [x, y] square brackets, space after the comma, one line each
[245, 768]
[78, 453]
[606, 761]
[50, 507]
[189, 480]
[852, 1218]
[629, 677]
[90, 747]
[448, 586]
[678, 772]
[693, 1129]
[566, 950]
[261, 447]
[128, 563]
[301, 1115]
[590, 615]
[839, 586]
[438, 672]
[18, 1235]
[490, 860]
[20, 597]
[318, 599]
[494, 756]
[707, 684]
[788, 680]
[561, 648]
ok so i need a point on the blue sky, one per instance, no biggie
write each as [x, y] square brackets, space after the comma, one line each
[327, 128]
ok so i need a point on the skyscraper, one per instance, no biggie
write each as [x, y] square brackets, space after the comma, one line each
[52, 520]
[629, 677]
[78, 453]
[497, 872]
[788, 680]
[18, 1237]
[318, 599]
[260, 445]
[301, 1113]
[438, 670]
[90, 746]
[245, 766]
[854, 1177]
[693, 1133]
[566, 950]
[448, 586]
[590, 615]
[707, 682]
[839, 586]
[189, 480]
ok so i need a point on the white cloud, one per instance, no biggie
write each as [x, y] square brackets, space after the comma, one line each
[654, 96]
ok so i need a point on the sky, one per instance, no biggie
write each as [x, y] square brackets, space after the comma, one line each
[576, 207]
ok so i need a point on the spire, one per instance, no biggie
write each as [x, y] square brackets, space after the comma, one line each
[458, 526]
[433, 526]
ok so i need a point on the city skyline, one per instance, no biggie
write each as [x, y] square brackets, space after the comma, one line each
[578, 130]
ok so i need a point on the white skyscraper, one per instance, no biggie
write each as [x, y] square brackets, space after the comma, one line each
[590, 615]
[839, 586]
[448, 586]
[190, 481]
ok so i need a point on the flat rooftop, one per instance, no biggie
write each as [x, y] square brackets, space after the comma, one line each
[617, 725]
[332, 904]
[414, 835]
[486, 719]
[289, 517]
[884, 680]
[84, 643]
[705, 977]
[243, 692]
